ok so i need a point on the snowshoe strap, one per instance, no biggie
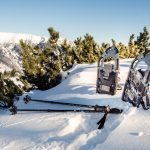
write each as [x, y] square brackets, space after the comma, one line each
[101, 122]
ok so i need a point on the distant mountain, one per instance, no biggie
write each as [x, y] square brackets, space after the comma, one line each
[10, 51]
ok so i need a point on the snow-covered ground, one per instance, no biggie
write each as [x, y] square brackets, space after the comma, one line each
[76, 131]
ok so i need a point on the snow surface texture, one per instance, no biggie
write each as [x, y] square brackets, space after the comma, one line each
[10, 52]
[76, 131]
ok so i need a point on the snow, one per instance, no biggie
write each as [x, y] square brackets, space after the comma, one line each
[15, 38]
[10, 51]
[76, 131]
[17, 81]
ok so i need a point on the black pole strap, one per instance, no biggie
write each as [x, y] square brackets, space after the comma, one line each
[102, 121]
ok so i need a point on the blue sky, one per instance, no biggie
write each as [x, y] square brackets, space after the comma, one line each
[103, 19]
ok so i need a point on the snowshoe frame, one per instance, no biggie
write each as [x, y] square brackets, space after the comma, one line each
[107, 74]
[137, 84]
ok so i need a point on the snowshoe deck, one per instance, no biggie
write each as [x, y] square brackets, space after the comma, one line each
[107, 74]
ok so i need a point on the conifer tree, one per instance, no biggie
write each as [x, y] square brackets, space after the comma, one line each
[86, 49]
[67, 55]
[53, 61]
[8, 90]
[132, 51]
[78, 50]
[122, 50]
[142, 41]
[90, 51]
[42, 66]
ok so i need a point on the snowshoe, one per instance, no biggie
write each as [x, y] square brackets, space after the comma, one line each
[107, 74]
[137, 84]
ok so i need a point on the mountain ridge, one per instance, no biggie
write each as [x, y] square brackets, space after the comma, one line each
[10, 51]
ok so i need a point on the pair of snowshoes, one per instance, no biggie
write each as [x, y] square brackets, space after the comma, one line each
[136, 88]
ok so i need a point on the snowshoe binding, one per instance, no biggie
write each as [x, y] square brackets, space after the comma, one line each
[107, 74]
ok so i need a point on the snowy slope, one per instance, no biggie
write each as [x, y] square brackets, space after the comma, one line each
[10, 52]
[16, 37]
[76, 131]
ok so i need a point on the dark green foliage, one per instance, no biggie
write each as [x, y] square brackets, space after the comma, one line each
[42, 66]
[67, 55]
[142, 41]
[133, 50]
[26, 84]
[11, 73]
[122, 50]
[86, 49]
[78, 50]
[135, 47]
[8, 90]
[54, 36]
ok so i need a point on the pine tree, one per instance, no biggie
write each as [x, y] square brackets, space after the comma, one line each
[8, 90]
[42, 66]
[122, 50]
[50, 62]
[133, 50]
[67, 55]
[90, 51]
[78, 50]
[142, 41]
[86, 49]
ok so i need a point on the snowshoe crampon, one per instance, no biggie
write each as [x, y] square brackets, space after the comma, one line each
[137, 84]
[107, 74]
